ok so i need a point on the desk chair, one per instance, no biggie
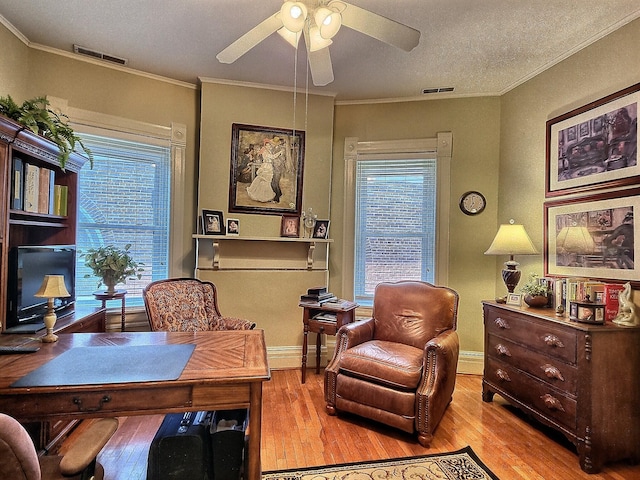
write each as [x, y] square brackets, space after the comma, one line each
[398, 367]
[19, 460]
[187, 305]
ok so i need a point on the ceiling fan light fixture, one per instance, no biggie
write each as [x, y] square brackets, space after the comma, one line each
[316, 42]
[292, 38]
[328, 21]
[293, 15]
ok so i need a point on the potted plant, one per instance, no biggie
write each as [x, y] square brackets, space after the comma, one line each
[36, 115]
[112, 265]
[536, 294]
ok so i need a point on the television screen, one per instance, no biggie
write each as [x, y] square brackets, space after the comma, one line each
[27, 267]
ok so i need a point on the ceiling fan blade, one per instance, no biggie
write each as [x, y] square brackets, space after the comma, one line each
[321, 68]
[379, 27]
[250, 39]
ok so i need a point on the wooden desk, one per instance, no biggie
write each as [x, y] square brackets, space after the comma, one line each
[344, 314]
[225, 371]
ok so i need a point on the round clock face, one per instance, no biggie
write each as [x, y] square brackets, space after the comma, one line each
[472, 203]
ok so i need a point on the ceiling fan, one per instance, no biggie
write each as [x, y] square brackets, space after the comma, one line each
[318, 21]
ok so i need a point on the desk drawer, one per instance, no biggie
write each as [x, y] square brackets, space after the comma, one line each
[118, 402]
[532, 392]
[540, 335]
[558, 374]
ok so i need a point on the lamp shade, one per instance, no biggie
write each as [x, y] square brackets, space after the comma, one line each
[328, 22]
[293, 15]
[511, 240]
[53, 287]
[575, 240]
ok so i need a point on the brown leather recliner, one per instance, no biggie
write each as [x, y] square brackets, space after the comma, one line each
[398, 367]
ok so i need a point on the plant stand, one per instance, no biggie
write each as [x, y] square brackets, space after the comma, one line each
[104, 297]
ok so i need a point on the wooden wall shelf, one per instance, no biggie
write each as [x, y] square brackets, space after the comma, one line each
[216, 240]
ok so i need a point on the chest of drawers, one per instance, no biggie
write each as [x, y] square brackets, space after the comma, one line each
[583, 380]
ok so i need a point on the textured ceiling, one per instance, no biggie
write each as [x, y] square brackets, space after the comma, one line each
[479, 47]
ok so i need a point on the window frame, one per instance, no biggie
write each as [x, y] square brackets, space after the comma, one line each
[173, 136]
[355, 151]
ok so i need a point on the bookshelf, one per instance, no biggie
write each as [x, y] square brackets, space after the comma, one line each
[19, 227]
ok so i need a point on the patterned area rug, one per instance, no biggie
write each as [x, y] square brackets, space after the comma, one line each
[461, 465]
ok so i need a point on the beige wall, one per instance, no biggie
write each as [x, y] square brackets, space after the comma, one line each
[605, 67]
[14, 62]
[475, 125]
[270, 297]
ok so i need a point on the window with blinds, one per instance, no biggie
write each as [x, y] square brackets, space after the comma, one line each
[395, 223]
[124, 199]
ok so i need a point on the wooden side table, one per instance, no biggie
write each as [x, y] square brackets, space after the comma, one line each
[104, 297]
[316, 320]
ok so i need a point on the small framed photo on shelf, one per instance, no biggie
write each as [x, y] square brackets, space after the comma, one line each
[290, 226]
[212, 222]
[514, 299]
[321, 229]
[233, 226]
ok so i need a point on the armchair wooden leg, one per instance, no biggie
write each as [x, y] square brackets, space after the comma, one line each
[424, 439]
[331, 410]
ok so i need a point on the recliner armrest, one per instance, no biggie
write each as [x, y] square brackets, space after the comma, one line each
[440, 359]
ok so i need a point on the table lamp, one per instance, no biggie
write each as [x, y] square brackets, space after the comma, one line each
[511, 240]
[52, 287]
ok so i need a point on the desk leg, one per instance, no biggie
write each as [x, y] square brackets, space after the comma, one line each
[253, 464]
[304, 353]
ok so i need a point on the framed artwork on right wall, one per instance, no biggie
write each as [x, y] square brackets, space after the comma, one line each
[594, 146]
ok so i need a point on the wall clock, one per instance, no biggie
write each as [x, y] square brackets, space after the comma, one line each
[472, 203]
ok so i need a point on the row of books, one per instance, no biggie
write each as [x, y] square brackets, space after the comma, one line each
[572, 289]
[33, 189]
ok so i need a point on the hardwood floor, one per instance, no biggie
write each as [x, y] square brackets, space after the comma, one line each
[298, 433]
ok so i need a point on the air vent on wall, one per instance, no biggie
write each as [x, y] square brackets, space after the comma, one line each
[437, 90]
[99, 55]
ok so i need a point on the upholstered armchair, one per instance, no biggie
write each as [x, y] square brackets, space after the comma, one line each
[187, 305]
[398, 367]
[19, 460]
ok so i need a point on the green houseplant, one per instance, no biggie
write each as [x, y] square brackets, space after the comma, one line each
[36, 115]
[535, 293]
[112, 265]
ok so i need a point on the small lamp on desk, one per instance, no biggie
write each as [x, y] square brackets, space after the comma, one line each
[52, 287]
[511, 240]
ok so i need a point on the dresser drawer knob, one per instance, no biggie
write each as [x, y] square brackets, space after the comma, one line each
[502, 323]
[552, 402]
[553, 341]
[502, 375]
[552, 372]
[503, 350]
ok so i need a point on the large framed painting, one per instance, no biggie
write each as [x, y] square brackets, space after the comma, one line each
[593, 236]
[594, 146]
[266, 170]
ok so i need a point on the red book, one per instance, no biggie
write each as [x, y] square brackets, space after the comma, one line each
[611, 292]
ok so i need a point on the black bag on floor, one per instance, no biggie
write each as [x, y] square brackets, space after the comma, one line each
[228, 429]
[181, 448]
